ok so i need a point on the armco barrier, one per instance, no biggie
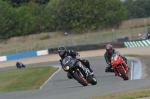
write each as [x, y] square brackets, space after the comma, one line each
[140, 43]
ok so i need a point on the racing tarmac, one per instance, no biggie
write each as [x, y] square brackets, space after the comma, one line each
[60, 87]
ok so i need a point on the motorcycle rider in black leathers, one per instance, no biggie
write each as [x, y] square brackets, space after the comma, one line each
[108, 54]
[63, 52]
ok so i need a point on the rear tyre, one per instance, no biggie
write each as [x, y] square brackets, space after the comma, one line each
[123, 74]
[80, 79]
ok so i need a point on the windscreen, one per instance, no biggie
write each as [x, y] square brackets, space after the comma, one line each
[66, 60]
[114, 57]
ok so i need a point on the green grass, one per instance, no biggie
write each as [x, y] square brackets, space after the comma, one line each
[24, 79]
[126, 95]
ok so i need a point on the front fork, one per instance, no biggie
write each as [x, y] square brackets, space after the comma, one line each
[117, 69]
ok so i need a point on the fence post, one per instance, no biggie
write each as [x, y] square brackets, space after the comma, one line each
[85, 37]
[99, 36]
[146, 29]
[66, 37]
[131, 33]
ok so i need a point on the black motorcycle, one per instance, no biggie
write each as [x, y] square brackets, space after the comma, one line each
[78, 71]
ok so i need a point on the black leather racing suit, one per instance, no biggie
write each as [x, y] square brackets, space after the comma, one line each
[73, 54]
[108, 59]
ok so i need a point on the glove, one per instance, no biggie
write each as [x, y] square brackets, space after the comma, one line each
[60, 60]
[77, 56]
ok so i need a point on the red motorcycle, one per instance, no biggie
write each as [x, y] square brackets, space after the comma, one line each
[119, 66]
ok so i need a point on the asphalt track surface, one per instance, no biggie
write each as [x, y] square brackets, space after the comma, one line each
[60, 87]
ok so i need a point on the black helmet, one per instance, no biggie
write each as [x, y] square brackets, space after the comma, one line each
[62, 51]
[109, 48]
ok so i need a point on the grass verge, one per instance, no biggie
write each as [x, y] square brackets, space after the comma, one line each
[126, 95]
[24, 79]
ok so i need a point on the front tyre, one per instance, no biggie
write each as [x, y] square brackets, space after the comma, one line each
[123, 74]
[94, 80]
[80, 78]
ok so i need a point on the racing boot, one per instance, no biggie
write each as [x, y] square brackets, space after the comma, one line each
[108, 69]
[89, 67]
[90, 70]
[86, 63]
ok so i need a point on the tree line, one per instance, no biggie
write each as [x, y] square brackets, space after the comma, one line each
[137, 8]
[24, 17]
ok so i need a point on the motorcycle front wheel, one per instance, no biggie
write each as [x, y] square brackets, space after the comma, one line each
[94, 80]
[80, 78]
[123, 74]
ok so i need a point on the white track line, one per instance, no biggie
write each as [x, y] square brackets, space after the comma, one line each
[131, 70]
[51, 76]
[136, 71]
